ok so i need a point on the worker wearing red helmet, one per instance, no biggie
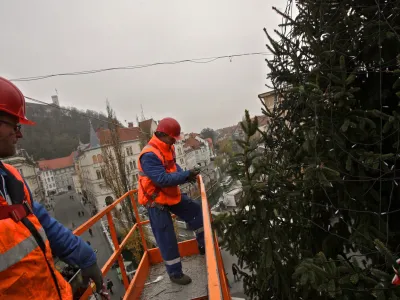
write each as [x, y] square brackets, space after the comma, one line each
[29, 237]
[159, 180]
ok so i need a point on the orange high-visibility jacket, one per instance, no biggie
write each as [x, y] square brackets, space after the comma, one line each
[27, 272]
[148, 192]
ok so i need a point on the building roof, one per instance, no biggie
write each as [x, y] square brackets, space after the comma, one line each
[227, 131]
[262, 120]
[146, 125]
[57, 163]
[125, 134]
[94, 139]
[191, 142]
[266, 94]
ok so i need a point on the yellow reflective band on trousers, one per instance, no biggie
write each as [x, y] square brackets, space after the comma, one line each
[19, 251]
[172, 261]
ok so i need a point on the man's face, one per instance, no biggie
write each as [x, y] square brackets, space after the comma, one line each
[167, 139]
[9, 135]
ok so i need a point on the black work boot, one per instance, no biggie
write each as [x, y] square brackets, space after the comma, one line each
[202, 250]
[180, 279]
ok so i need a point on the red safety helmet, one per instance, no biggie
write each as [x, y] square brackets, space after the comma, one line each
[12, 101]
[170, 127]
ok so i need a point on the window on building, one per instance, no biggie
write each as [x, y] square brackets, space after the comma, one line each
[181, 161]
[94, 158]
[20, 171]
[129, 151]
[98, 173]
[99, 158]
[102, 173]
[179, 151]
[132, 164]
[135, 178]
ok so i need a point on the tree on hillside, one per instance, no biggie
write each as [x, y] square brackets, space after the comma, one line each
[58, 130]
[319, 217]
[209, 133]
[225, 147]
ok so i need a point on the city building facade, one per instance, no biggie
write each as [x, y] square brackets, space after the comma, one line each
[58, 172]
[27, 167]
[90, 163]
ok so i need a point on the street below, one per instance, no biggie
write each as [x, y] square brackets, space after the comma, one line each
[66, 211]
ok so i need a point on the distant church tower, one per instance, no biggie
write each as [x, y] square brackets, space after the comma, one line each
[55, 101]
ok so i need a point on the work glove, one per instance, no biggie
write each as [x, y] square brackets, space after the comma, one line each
[193, 174]
[93, 272]
[396, 278]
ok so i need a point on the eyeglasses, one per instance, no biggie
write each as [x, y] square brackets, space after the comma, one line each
[17, 127]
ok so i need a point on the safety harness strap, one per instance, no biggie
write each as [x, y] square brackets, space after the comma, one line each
[15, 211]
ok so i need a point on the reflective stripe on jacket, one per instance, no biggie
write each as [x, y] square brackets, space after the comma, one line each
[27, 272]
[148, 191]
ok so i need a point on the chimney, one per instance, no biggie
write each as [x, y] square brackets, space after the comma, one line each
[130, 124]
[54, 99]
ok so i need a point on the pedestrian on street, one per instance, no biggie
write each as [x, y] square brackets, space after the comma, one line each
[91, 232]
[73, 225]
[88, 243]
[83, 213]
[159, 180]
[27, 228]
[110, 285]
[79, 213]
[235, 269]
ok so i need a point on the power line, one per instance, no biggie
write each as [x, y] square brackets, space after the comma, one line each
[204, 60]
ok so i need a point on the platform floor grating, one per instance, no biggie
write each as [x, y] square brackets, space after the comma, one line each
[194, 266]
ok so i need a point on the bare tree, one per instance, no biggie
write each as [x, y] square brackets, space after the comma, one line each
[115, 170]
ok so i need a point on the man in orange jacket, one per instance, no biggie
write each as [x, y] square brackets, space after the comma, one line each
[159, 177]
[28, 235]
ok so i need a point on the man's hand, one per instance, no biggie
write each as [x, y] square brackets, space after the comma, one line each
[93, 272]
[193, 174]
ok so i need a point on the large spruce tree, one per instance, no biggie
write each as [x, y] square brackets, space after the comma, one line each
[320, 213]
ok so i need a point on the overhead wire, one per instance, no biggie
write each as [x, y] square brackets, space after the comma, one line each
[203, 60]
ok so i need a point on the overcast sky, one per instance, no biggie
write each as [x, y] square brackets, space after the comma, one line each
[47, 37]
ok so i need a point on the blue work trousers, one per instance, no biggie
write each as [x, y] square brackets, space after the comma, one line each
[163, 230]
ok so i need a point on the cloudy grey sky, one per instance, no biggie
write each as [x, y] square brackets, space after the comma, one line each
[45, 37]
